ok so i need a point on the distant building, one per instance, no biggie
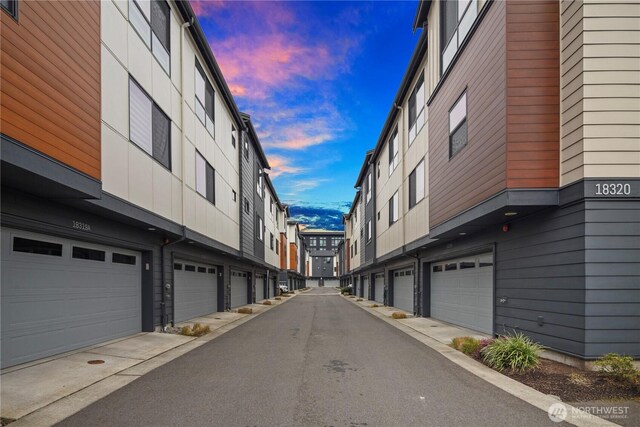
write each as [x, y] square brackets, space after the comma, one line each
[323, 246]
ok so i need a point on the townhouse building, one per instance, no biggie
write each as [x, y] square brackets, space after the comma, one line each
[323, 251]
[505, 184]
[134, 192]
[295, 256]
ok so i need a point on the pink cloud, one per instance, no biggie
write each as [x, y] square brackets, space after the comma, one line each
[204, 8]
[281, 165]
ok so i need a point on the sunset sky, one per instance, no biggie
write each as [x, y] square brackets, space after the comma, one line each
[318, 79]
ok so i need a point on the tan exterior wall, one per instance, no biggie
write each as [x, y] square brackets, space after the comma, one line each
[600, 90]
[355, 234]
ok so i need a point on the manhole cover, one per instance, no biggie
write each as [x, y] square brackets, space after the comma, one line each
[95, 362]
[218, 318]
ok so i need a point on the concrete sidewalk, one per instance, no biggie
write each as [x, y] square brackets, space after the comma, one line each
[438, 335]
[45, 391]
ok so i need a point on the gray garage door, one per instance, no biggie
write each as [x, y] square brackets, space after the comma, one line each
[195, 290]
[239, 293]
[312, 283]
[462, 292]
[403, 289]
[331, 283]
[60, 294]
[259, 287]
[379, 288]
[365, 287]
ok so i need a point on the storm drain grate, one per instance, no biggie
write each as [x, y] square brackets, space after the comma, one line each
[95, 362]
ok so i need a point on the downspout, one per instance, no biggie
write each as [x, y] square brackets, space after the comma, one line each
[166, 287]
[418, 312]
[183, 140]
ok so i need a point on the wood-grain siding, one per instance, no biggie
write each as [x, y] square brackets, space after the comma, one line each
[478, 171]
[533, 119]
[293, 261]
[50, 84]
[283, 251]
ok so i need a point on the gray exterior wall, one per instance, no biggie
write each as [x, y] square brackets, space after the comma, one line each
[369, 251]
[361, 235]
[258, 207]
[247, 191]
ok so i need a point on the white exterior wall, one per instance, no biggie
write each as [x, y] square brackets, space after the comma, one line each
[355, 234]
[271, 224]
[132, 175]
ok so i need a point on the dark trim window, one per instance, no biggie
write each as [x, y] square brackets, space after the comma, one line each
[117, 258]
[458, 125]
[393, 208]
[416, 185]
[457, 18]
[37, 247]
[369, 233]
[11, 7]
[259, 228]
[259, 181]
[277, 246]
[149, 127]
[271, 240]
[416, 109]
[204, 99]
[393, 152]
[234, 135]
[245, 143]
[177, 266]
[234, 195]
[205, 179]
[323, 242]
[88, 254]
[247, 208]
[369, 185]
[152, 21]
[188, 267]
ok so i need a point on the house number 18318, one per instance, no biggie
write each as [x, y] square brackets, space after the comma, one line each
[80, 226]
[613, 189]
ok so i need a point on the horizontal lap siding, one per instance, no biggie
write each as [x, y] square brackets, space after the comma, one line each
[51, 81]
[478, 171]
[533, 128]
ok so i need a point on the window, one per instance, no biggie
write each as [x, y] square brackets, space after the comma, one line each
[151, 20]
[378, 168]
[205, 179]
[117, 258]
[86, 253]
[467, 264]
[437, 268]
[270, 204]
[450, 266]
[416, 185]
[416, 109]
[234, 135]
[260, 229]
[393, 208]
[188, 267]
[11, 7]
[202, 269]
[177, 266]
[458, 126]
[369, 187]
[204, 99]
[355, 247]
[259, 182]
[378, 215]
[369, 231]
[245, 142]
[393, 152]
[247, 208]
[313, 241]
[457, 17]
[323, 242]
[38, 247]
[234, 195]
[277, 246]
[271, 240]
[149, 127]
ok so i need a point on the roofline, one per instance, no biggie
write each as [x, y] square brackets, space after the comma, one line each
[421, 14]
[363, 169]
[414, 64]
[322, 232]
[188, 15]
[256, 141]
[272, 188]
[353, 204]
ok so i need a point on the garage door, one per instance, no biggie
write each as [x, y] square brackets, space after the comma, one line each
[60, 294]
[239, 293]
[331, 283]
[312, 283]
[403, 289]
[379, 288]
[195, 290]
[462, 292]
[365, 287]
[259, 287]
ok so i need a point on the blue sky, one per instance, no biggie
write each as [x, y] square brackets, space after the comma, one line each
[318, 79]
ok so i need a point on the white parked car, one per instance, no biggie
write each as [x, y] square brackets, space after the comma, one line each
[284, 288]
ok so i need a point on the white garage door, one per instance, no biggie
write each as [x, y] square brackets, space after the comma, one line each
[403, 289]
[331, 283]
[312, 283]
[195, 290]
[60, 294]
[259, 287]
[365, 287]
[462, 292]
[379, 288]
[239, 293]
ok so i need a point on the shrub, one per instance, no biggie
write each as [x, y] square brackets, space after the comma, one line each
[277, 298]
[285, 295]
[245, 310]
[374, 306]
[618, 367]
[458, 341]
[359, 299]
[578, 379]
[267, 302]
[481, 345]
[197, 330]
[398, 315]
[467, 345]
[516, 352]
[346, 290]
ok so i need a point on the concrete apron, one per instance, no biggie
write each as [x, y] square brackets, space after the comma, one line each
[46, 391]
[438, 338]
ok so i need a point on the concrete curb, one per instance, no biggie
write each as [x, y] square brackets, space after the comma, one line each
[523, 392]
[64, 407]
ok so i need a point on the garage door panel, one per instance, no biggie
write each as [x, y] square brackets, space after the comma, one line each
[259, 287]
[379, 287]
[239, 291]
[196, 290]
[52, 304]
[403, 290]
[365, 288]
[463, 294]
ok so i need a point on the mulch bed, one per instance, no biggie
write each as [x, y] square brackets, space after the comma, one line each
[575, 385]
